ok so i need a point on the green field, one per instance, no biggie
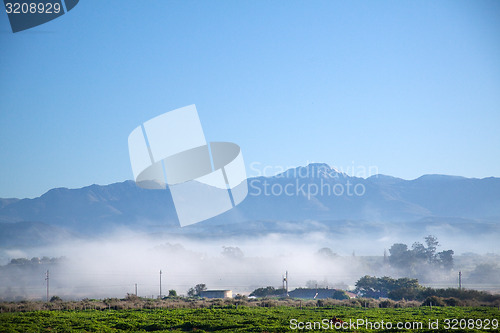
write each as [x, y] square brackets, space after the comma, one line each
[249, 319]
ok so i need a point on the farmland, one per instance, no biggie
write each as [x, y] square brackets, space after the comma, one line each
[232, 318]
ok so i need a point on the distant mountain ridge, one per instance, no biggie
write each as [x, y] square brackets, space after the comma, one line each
[314, 192]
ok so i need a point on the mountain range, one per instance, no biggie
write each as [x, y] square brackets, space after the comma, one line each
[297, 197]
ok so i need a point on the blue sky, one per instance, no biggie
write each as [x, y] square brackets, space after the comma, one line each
[411, 87]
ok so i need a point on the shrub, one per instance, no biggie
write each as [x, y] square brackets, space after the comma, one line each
[55, 299]
[386, 303]
[240, 297]
[268, 303]
[339, 294]
[131, 298]
[452, 301]
[433, 301]
[366, 302]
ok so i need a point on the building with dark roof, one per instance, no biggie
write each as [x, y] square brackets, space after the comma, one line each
[216, 294]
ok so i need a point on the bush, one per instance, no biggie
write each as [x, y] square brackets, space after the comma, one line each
[339, 294]
[55, 299]
[404, 293]
[452, 301]
[131, 298]
[268, 303]
[267, 291]
[367, 302]
[387, 303]
[433, 301]
[460, 294]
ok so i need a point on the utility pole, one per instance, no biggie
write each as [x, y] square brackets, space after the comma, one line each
[283, 281]
[460, 280]
[47, 279]
[286, 280]
[160, 283]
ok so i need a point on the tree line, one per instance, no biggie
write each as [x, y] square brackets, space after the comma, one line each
[406, 258]
[410, 290]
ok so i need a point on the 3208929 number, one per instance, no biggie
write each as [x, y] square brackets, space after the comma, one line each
[462, 324]
[32, 8]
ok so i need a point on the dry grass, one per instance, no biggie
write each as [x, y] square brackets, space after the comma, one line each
[134, 302]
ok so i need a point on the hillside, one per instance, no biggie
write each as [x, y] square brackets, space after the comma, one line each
[296, 197]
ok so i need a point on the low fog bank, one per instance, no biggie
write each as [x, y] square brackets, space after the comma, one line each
[111, 266]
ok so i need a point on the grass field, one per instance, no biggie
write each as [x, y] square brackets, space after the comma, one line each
[254, 319]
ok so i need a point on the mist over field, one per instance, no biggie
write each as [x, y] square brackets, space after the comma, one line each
[111, 265]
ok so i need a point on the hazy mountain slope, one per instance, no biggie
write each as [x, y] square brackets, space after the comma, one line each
[95, 207]
[315, 192]
[6, 202]
[30, 234]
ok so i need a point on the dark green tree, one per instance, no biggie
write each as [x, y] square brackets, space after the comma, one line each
[371, 286]
[446, 259]
[432, 244]
[267, 291]
[404, 258]
[400, 256]
[419, 252]
[196, 290]
[232, 252]
[55, 299]
[326, 252]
